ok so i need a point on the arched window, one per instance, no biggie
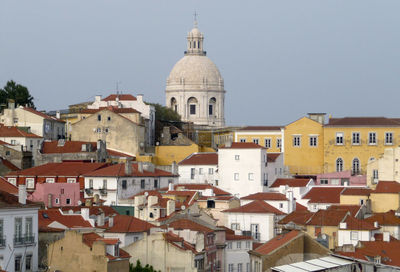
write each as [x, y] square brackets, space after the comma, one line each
[211, 106]
[192, 103]
[174, 104]
[356, 166]
[339, 165]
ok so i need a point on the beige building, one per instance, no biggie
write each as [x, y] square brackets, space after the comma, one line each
[121, 132]
[166, 252]
[87, 252]
[384, 168]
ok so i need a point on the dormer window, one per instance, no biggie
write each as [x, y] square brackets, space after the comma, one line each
[116, 250]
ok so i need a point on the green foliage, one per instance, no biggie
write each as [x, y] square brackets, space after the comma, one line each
[18, 93]
[140, 268]
[165, 117]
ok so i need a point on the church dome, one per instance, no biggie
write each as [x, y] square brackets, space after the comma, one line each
[195, 72]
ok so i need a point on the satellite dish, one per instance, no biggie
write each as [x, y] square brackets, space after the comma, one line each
[324, 236]
[183, 207]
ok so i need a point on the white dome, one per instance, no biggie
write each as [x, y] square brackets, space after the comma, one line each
[195, 32]
[195, 72]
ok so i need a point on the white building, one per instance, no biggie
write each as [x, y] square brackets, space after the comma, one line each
[353, 230]
[20, 139]
[118, 182]
[19, 232]
[285, 204]
[195, 87]
[242, 168]
[298, 186]
[275, 167]
[129, 101]
[48, 127]
[199, 168]
[237, 246]
[256, 219]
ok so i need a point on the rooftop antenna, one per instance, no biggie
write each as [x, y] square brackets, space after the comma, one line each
[195, 14]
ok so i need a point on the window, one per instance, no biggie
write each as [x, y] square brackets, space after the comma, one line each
[248, 267]
[235, 226]
[30, 183]
[8, 153]
[200, 171]
[388, 138]
[104, 184]
[255, 140]
[57, 201]
[238, 244]
[68, 201]
[210, 171]
[124, 184]
[240, 267]
[49, 180]
[98, 130]
[62, 191]
[268, 143]
[375, 176]
[18, 263]
[313, 141]
[242, 140]
[142, 184]
[155, 183]
[324, 181]
[71, 180]
[251, 176]
[361, 201]
[278, 143]
[210, 204]
[91, 183]
[248, 244]
[372, 138]
[355, 138]
[18, 227]
[192, 109]
[28, 262]
[192, 173]
[230, 268]
[237, 157]
[354, 235]
[109, 118]
[317, 231]
[236, 176]
[280, 205]
[356, 166]
[13, 181]
[229, 246]
[99, 117]
[296, 140]
[335, 181]
[13, 142]
[339, 165]
[339, 138]
[210, 109]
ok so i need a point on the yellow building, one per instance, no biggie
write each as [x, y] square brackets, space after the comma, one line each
[268, 136]
[351, 142]
[385, 197]
[304, 146]
[355, 196]
[384, 168]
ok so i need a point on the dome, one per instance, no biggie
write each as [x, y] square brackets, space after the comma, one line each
[195, 72]
[195, 32]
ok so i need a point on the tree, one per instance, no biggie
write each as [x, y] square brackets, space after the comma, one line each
[165, 117]
[18, 93]
[140, 268]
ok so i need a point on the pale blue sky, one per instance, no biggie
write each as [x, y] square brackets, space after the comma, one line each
[280, 59]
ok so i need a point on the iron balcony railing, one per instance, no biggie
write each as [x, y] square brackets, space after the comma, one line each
[2, 241]
[24, 240]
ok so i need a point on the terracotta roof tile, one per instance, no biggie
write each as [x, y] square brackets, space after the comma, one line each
[257, 206]
[51, 147]
[113, 109]
[200, 187]
[8, 187]
[119, 170]
[182, 224]
[265, 196]
[8, 200]
[128, 224]
[46, 217]
[250, 128]
[353, 209]
[9, 165]
[277, 242]
[324, 195]
[240, 145]
[121, 97]
[358, 224]
[93, 210]
[179, 242]
[291, 182]
[388, 187]
[363, 121]
[357, 191]
[385, 219]
[201, 159]
[327, 218]
[6, 131]
[43, 115]
[298, 217]
[300, 207]
[271, 157]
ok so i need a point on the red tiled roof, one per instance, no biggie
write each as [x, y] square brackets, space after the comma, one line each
[357, 191]
[114, 153]
[300, 207]
[299, 217]
[46, 217]
[182, 224]
[363, 121]
[121, 97]
[243, 145]
[8, 200]
[388, 187]
[128, 224]
[327, 218]
[265, 196]
[179, 242]
[216, 198]
[43, 115]
[201, 159]
[70, 169]
[277, 242]
[6, 131]
[291, 182]
[119, 170]
[90, 238]
[357, 224]
[250, 128]
[257, 206]
[9, 164]
[93, 210]
[8, 187]
[353, 209]
[324, 195]
[52, 147]
[200, 187]
[271, 157]
[113, 109]
[385, 219]
[388, 251]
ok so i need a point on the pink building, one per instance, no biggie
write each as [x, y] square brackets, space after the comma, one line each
[56, 194]
[344, 178]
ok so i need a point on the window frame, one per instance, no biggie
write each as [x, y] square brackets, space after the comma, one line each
[296, 140]
[313, 140]
[356, 138]
[267, 142]
[339, 135]
[386, 138]
[374, 137]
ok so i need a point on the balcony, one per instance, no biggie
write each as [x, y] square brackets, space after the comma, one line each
[103, 191]
[2, 241]
[24, 240]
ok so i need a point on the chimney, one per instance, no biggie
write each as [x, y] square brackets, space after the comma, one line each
[11, 104]
[140, 167]
[376, 224]
[128, 168]
[386, 236]
[170, 187]
[110, 221]
[100, 219]
[85, 213]
[170, 207]
[22, 194]
[174, 168]
[151, 200]
[58, 114]
[292, 203]
[139, 98]
[97, 98]
[49, 201]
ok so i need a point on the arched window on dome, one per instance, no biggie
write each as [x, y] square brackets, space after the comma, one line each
[192, 104]
[211, 106]
[174, 104]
